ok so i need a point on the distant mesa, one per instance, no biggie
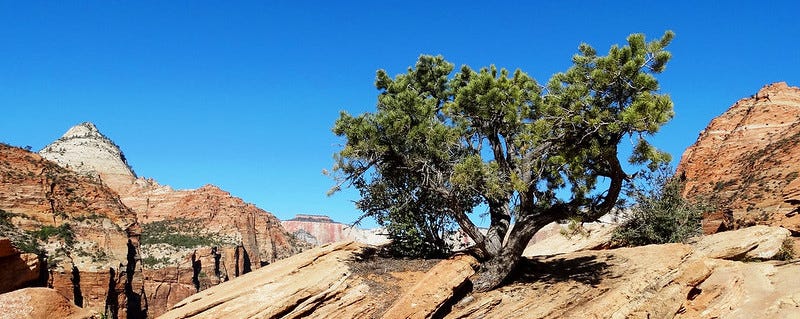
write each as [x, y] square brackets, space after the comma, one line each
[321, 229]
[312, 218]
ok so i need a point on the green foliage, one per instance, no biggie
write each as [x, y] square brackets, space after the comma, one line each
[63, 232]
[409, 241]
[659, 213]
[441, 143]
[151, 261]
[177, 233]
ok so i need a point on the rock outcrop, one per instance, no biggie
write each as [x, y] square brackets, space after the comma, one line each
[321, 229]
[728, 275]
[748, 161]
[40, 303]
[84, 149]
[19, 269]
[191, 239]
[79, 226]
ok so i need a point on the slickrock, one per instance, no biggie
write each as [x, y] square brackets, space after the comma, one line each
[432, 292]
[556, 239]
[320, 229]
[748, 160]
[36, 303]
[757, 242]
[90, 239]
[180, 227]
[287, 288]
[700, 280]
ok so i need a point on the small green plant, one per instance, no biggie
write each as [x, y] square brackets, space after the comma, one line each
[574, 228]
[660, 214]
[786, 252]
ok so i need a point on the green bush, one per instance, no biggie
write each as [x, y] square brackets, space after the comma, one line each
[659, 213]
[177, 233]
[64, 232]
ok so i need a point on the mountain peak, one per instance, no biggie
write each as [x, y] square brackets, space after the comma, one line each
[85, 150]
[85, 129]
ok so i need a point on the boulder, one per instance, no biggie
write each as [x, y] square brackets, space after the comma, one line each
[44, 303]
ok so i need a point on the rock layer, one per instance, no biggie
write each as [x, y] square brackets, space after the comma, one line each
[88, 237]
[701, 280]
[748, 161]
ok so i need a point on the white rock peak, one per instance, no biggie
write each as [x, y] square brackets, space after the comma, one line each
[85, 129]
[85, 150]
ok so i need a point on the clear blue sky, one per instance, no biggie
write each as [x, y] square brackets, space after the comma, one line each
[243, 94]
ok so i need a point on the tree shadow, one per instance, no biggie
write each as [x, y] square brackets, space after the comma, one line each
[585, 269]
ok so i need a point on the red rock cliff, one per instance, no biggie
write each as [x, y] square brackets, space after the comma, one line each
[748, 160]
[88, 237]
[192, 239]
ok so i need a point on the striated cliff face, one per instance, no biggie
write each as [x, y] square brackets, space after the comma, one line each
[748, 161]
[79, 227]
[320, 229]
[705, 279]
[191, 239]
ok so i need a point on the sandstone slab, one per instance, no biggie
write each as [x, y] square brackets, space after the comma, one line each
[40, 303]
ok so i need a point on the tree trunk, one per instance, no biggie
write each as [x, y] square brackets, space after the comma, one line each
[500, 221]
[494, 271]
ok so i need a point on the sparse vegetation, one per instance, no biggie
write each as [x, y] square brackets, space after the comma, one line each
[5, 217]
[178, 233]
[92, 216]
[151, 261]
[786, 251]
[63, 232]
[659, 213]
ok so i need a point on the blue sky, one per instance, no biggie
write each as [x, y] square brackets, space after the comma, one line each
[243, 95]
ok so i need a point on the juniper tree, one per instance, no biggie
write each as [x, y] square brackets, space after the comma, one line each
[439, 145]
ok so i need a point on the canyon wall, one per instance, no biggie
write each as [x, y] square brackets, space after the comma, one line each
[747, 161]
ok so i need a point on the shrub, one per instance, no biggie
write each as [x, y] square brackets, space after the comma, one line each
[659, 213]
[786, 251]
[177, 233]
[64, 232]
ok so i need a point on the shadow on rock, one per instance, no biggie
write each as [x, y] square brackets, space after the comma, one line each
[585, 269]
